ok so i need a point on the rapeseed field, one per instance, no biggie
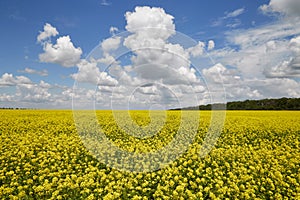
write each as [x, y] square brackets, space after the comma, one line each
[257, 156]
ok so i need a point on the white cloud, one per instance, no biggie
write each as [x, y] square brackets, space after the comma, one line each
[123, 76]
[105, 3]
[27, 70]
[265, 59]
[287, 8]
[236, 87]
[261, 35]
[89, 72]
[27, 93]
[239, 88]
[33, 92]
[220, 74]
[230, 19]
[110, 44]
[213, 73]
[234, 23]
[148, 90]
[11, 80]
[283, 69]
[163, 55]
[270, 46]
[44, 84]
[107, 60]
[275, 58]
[157, 71]
[154, 57]
[189, 74]
[63, 52]
[248, 61]
[235, 13]
[113, 30]
[150, 22]
[295, 44]
[290, 66]
[47, 33]
[262, 51]
[197, 50]
[276, 87]
[210, 45]
[6, 98]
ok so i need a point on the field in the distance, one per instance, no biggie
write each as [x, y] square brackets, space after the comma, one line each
[256, 157]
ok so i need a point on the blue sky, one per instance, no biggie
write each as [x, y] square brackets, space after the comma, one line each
[254, 45]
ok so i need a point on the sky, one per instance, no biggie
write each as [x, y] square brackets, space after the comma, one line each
[156, 54]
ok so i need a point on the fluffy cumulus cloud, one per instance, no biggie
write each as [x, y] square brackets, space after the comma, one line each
[110, 44]
[155, 58]
[150, 28]
[34, 92]
[295, 44]
[197, 50]
[276, 87]
[287, 8]
[63, 52]
[25, 90]
[89, 72]
[268, 51]
[237, 87]
[234, 85]
[213, 74]
[150, 22]
[211, 45]
[156, 71]
[161, 71]
[289, 67]
[20, 91]
[258, 71]
[48, 32]
[11, 80]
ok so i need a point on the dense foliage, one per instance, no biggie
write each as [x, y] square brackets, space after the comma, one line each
[256, 157]
[263, 104]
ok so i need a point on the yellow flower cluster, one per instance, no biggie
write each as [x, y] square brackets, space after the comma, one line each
[256, 157]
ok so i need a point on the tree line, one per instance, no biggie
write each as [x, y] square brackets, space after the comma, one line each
[263, 104]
